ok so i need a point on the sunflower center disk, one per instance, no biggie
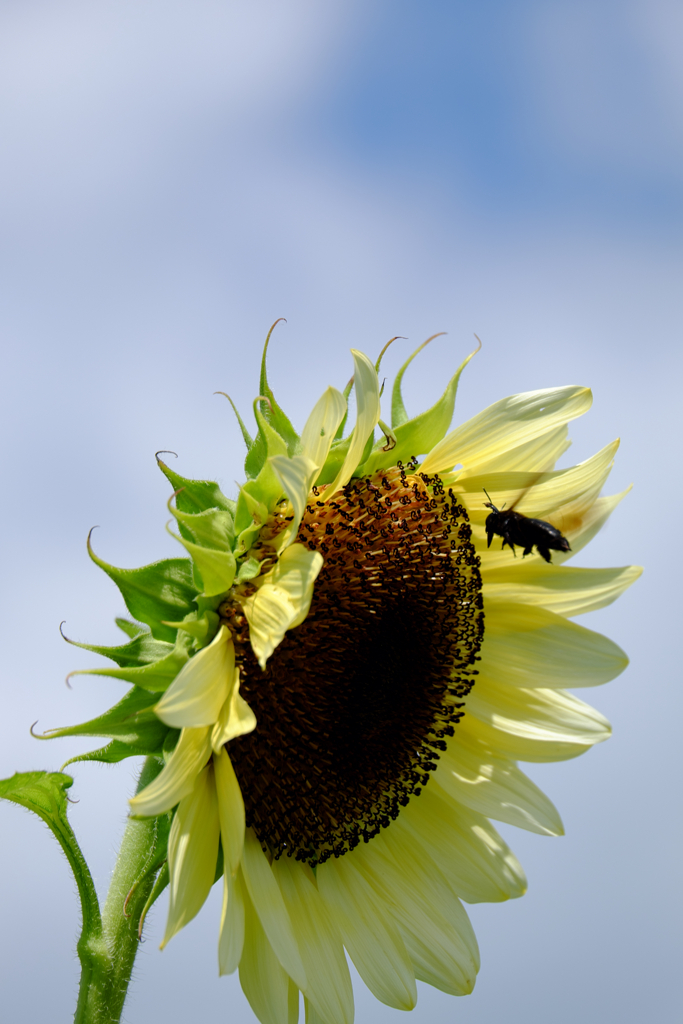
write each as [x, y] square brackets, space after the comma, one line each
[355, 703]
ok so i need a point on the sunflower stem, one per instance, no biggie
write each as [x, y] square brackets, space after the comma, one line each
[104, 985]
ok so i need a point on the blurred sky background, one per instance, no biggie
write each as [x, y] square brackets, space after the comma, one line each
[174, 176]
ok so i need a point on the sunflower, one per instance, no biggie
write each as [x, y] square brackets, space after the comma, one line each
[342, 679]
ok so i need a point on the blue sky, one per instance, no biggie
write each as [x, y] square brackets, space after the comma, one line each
[176, 175]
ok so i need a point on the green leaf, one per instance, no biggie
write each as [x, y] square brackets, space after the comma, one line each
[143, 649]
[195, 495]
[156, 676]
[44, 793]
[156, 593]
[274, 413]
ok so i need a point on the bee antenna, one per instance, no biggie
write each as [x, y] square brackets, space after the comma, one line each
[491, 505]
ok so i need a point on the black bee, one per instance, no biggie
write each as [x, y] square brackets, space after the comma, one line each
[516, 528]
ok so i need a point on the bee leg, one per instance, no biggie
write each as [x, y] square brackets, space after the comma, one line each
[527, 551]
[489, 538]
[544, 552]
[506, 540]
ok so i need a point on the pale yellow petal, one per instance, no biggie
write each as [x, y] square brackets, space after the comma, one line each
[585, 527]
[322, 425]
[549, 496]
[198, 692]
[192, 853]
[435, 928]
[532, 725]
[526, 645]
[235, 719]
[477, 863]
[507, 424]
[178, 777]
[367, 417]
[494, 786]
[231, 936]
[270, 907]
[562, 589]
[368, 932]
[297, 475]
[282, 599]
[230, 810]
[329, 982]
[538, 455]
[263, 980]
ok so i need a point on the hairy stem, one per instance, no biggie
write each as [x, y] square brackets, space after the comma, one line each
[104, 984]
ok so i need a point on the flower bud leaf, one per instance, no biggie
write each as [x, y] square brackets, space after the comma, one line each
[44, 793]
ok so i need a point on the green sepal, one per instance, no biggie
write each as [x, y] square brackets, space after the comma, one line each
[155, 677]
[340, 429]
[132, 722]
[110, 753]
[216, 568]
[160, 884]
[156, 593]
[169, 744]
[196, 495]
[249, 568]
[419, 435]
[334, 460]
[143, 649]
[202, 628]
[44, 793]
[251, 515]
[212, 528]
[274, 414]
[131, 629]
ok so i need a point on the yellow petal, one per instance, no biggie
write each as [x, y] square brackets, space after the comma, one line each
[538, 455]
[432, 921]
[230, 810]
[561, 589]
[270, 906]
[525, 645]
[235, 719]
[322, 425]
[177, 779]
[494, 786]
[477, 863]
[367, 416]
[264, 982]
[329, 982]
[297, 475]
[231, 936]
[369, 933]
[192, 853]
[200, 689]
[282, 599]
[532, 725]
[507, 424]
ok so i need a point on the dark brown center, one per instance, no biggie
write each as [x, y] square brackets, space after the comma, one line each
[355, 703]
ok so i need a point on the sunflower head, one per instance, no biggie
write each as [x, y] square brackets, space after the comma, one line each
[340, 679]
